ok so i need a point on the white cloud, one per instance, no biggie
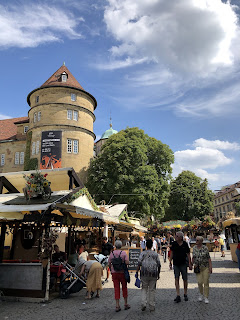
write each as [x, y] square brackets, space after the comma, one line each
[3, 116]
[207, 159]
[187, 36]
[31, 25]
[118, 64]
[201, 158]
[216, 144]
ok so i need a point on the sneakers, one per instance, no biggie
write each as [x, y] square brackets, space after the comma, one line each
[206, 300]
[200, 298]
[185, 297]
[177, 299]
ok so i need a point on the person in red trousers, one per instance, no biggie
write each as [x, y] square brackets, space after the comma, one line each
[118, 276]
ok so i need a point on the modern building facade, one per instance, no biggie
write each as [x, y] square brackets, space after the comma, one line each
[225, 200]
[58, 131]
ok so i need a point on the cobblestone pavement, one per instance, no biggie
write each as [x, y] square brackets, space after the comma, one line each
[224, 300]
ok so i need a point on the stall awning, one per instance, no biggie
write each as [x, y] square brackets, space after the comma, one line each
[228, 222]
[81, 213]
[14, 206]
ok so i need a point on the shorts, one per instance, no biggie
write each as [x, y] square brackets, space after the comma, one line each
[181, 269]
[222, 247]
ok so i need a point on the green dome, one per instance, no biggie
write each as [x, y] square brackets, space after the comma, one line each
[108, 133]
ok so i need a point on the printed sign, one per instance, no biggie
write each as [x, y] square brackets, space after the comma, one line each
[51, 150]
[133, 258]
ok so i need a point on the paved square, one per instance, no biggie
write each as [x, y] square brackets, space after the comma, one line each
[224, 300]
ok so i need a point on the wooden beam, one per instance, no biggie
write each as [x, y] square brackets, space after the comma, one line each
[74, 178]
[7, 184]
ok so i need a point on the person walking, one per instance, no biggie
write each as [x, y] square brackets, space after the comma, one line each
[158, 240]
[180, 254]
[238, 254]
[149, 266]
[154, 244]
[107, 248]
[170, 241]
[142, 243]
[118, 275]
[221, 242]
[202, 267]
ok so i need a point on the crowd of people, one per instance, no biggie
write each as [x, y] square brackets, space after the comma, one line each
[177, 249]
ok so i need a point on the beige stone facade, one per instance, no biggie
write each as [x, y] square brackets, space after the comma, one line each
[56, 106]
[14, 153]
[225, 200]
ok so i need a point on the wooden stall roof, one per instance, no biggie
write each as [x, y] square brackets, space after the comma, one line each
[61, 179]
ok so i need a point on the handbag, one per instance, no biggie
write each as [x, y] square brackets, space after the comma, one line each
[126, 272]
[138, 281]
[197, 269]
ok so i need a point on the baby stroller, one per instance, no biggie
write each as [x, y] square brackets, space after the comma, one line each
[71, 281]
[103, 260]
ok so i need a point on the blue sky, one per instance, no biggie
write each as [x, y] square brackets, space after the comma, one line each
[171, 68]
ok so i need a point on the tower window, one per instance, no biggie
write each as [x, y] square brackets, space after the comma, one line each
[25, 129]
[16, 157]
[69, 114]
[35, 117]
[39, 115]
[75, 146]
[37, 99]
[69, 145]
[72, 146]
[73, 97]
[2, 159]
[75, 115]
[64, 77]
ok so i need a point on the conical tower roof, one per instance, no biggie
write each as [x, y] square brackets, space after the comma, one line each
[56, 79]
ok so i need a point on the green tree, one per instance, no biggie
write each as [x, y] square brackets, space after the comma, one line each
[189, 197]
[133, 168]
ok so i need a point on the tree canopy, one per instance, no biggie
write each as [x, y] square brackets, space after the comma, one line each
[132, 168]
[189, 197]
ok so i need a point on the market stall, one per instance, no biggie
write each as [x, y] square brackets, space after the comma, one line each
[232, 232]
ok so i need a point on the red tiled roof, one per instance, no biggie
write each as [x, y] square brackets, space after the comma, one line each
[8, 129]
[55, 79]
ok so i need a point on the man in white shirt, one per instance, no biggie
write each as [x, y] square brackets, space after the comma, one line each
[154, 246]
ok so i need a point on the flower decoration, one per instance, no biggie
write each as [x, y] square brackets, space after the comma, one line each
[35, 183]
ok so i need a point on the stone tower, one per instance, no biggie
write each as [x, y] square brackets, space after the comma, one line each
[61, 117]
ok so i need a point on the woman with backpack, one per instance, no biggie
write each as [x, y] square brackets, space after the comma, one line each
[115, 261]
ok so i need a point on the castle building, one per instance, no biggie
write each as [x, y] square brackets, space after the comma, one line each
[58, 131]
[108, 133]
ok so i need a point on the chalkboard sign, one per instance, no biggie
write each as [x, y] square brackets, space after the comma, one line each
[133, 258]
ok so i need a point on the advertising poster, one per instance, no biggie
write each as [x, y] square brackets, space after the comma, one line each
[51, 150]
